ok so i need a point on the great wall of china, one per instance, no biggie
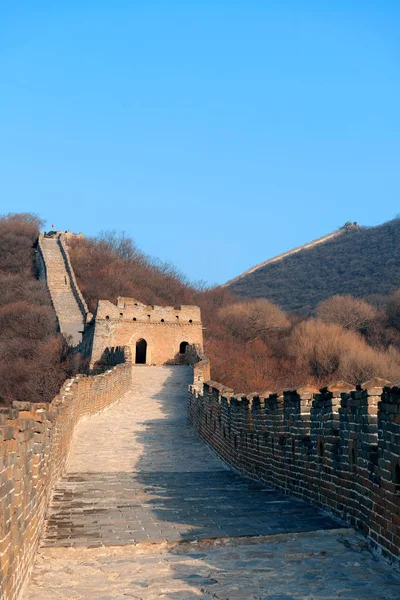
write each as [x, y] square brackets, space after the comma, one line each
[337, 447]
[138, 473]
[330, 236]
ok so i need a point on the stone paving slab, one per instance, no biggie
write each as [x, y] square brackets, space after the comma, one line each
[143, 494]
[324, 566]
[169, 485]
[109, 508]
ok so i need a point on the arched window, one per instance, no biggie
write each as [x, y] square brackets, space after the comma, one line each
[141, 351]
[182, 347]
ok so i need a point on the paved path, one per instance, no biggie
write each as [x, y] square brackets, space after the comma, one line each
[143, 497]
[68, 312]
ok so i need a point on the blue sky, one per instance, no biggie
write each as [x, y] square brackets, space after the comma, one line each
[216, 133]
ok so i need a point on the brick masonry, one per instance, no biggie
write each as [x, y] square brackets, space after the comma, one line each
[35, 440]
[54, 266]
[337, 447]
[164, 329]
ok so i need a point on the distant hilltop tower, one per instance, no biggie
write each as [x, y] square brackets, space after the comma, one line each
[56, 233]
[349, 225]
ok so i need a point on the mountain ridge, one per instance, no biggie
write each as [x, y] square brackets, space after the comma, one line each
[319, 240]
[356, 260]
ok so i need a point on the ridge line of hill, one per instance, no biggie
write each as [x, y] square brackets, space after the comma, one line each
[324, 238]
[363, 262]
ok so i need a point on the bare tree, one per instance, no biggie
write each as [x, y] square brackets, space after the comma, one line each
[351, 313]
[326, 351]
[254, 319]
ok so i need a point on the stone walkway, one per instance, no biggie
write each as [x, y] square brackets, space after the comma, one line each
[147, 511]
[69, 315]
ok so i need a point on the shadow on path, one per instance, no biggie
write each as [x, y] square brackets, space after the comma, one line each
[181, 492]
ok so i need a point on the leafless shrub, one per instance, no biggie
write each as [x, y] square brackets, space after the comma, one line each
[254, 319]
[253, 345]
[31, 350]
[327, 351]
[393, 310]
[351, 313]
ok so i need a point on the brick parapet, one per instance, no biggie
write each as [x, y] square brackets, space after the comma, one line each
[338, 447]
[74, 284]
[162, 329]
[40, 261]
[35, 440]
[194, 356]
[54, 266]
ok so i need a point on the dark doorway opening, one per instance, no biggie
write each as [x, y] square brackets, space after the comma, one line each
[182, 347]
[141, 351]
[397, 479]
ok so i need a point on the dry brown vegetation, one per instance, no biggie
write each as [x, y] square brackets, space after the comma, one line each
[32, 353]
[361, 261]
[253, 345]
[351, 313]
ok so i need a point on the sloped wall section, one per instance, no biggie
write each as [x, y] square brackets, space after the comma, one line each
[74, 284]
[53, 265]
[337, 447]
[195, 357]
[34, 446]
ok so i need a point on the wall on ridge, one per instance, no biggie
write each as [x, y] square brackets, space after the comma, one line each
[74, 284]
[35, 441]
[338, 448]
[54, 266]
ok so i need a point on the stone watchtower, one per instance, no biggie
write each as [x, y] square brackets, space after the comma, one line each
[157, 335]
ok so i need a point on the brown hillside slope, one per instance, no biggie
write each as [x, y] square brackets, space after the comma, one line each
[252, 344]
[31, 349]
[361, 261]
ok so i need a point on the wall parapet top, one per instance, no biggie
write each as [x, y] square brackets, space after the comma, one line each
[143, 313]
[339, 390]
[36, 438]
[74, 284]
[338, 447]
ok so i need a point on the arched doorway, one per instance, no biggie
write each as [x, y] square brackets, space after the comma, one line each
[141, 352]
[182, 347]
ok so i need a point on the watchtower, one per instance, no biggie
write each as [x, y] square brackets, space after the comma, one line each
[157, 335]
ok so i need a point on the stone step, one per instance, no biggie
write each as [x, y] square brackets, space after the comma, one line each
[139, 473]
[69, 314]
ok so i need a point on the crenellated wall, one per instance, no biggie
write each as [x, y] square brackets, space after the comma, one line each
[54, 266]
[35, 441]
[337, 447]
[74, 284]
[162, 328]
[194, 356]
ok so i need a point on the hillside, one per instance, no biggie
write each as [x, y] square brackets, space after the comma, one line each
[252, 344]
[32, 352]
[361, 261]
